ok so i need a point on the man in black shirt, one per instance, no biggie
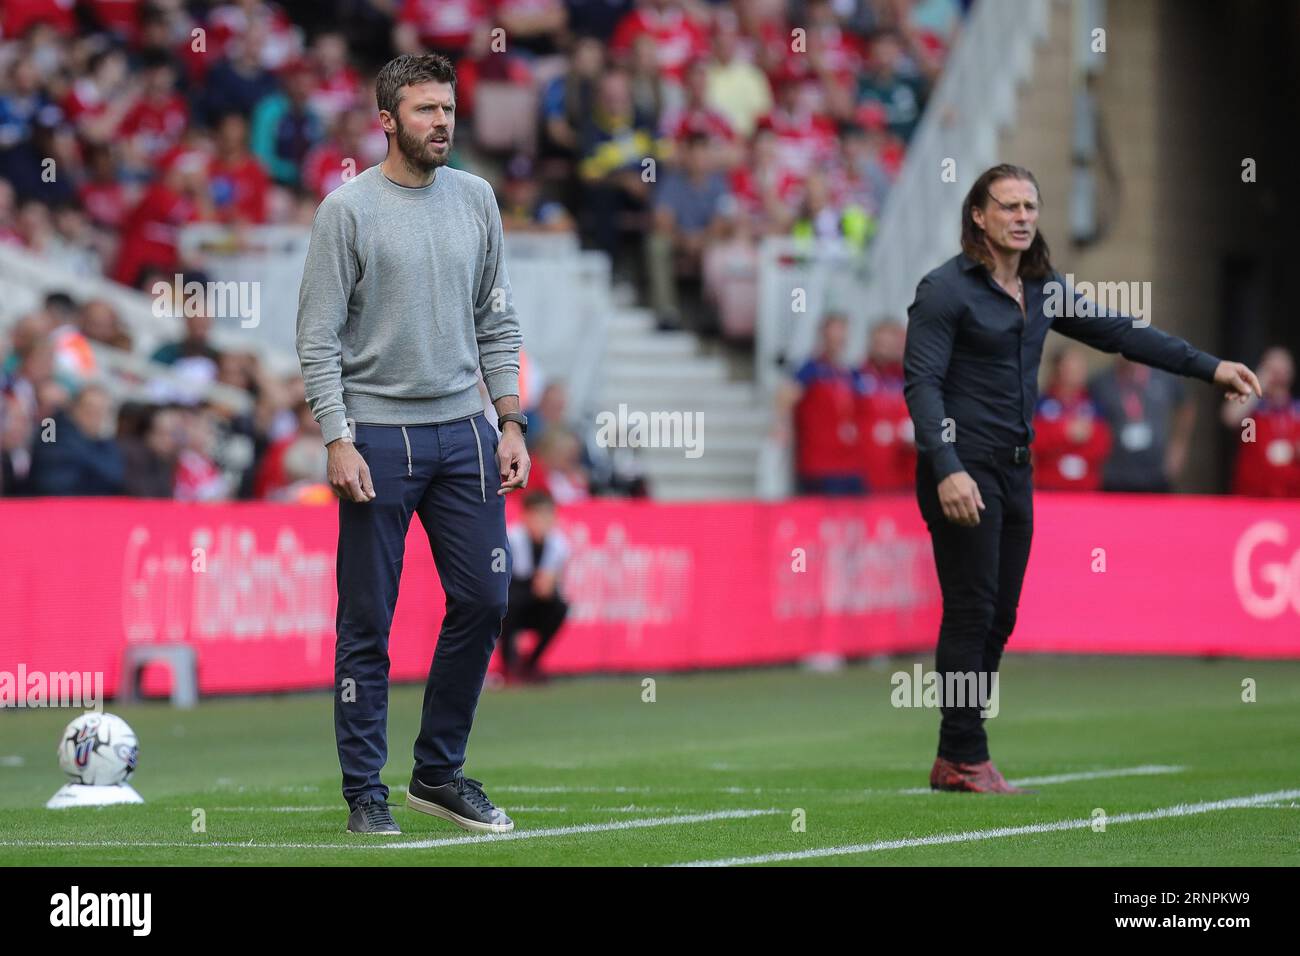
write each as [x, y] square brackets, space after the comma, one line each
[974, 342]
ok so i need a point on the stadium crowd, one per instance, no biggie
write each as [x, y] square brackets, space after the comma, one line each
[1124, 429]
[672, 134]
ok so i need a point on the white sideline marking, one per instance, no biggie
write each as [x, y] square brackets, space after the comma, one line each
[581, 828]
[1146, 770]
[585, 828]
[334, 807]
[970, 836]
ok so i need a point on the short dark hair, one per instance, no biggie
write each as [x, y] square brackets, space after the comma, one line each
[538, 498]
[409, 69]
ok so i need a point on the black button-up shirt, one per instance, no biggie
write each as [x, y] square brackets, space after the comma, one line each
[972, 357]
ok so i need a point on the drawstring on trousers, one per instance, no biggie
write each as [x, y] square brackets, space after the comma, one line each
[482, 480]
[407, 438]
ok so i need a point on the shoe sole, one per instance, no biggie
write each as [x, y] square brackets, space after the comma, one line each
[375, 832]
[438, 810]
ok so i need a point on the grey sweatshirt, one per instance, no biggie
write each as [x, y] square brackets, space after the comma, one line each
[404, 296]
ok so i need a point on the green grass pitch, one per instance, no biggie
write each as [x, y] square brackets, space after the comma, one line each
[721, 766]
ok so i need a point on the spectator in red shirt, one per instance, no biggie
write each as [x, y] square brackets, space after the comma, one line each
[1072, 439]
[823, 397]
[805, 138]
[678, 37]
[1268, 461]
[887, 443]
[238, 180]
[533, 25]
[151, 231]
[695, 115]
[336, 86]
[16, 16]
[438, 26]
[159, 117]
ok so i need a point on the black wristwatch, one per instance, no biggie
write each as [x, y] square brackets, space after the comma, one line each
[517, 417]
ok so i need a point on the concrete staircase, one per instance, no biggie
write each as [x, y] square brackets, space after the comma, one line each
[649, 370]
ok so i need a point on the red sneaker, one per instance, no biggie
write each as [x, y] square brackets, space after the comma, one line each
[980, 777]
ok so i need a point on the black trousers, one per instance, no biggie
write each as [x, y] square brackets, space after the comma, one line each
[528, 611]
[981, 570]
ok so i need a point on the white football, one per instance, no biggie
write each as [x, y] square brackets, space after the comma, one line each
[98, 750]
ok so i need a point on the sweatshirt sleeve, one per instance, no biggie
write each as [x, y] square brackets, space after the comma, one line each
[496, 324]
[328, 278]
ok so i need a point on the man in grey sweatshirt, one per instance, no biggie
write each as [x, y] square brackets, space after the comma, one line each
[404, 300]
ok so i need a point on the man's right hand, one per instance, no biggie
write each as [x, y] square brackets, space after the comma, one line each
[347, 472]
[960, 499]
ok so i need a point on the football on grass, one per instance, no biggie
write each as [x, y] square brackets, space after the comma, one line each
[98, 750]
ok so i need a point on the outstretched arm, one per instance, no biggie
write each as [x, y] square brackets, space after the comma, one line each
[1116, 332]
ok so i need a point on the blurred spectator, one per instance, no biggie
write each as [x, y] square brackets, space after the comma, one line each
[151, 232]
[651, 94]
[557, 466]
[278, 40]
[1071, 440]
[1268, 459]
[615, 145]
[195, 343]
[533, 25]
[198, 478]
[893, 82]
[437, 26]
[822, 399]
[687, 201]
[675, 36]
[102, 194]
[16, 435]
[805, 137]
[1151, 419]
[239, 81]
[347, 151]
[334, 85]
[158, 114]
[887, 443]
[293, 463]
[101, 323]
[729, 272]
[735, 86]
[697, 115]
[596, 19]
[523, 208]
[538, 552]
[238, 181]
[552, 408]
[78, 456]
[286, 125]
[569, 99]
[150, 455]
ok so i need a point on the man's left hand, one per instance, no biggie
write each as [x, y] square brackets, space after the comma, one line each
[512, 459]
[1237, 381]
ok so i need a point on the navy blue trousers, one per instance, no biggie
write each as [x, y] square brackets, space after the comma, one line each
[447, 474]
